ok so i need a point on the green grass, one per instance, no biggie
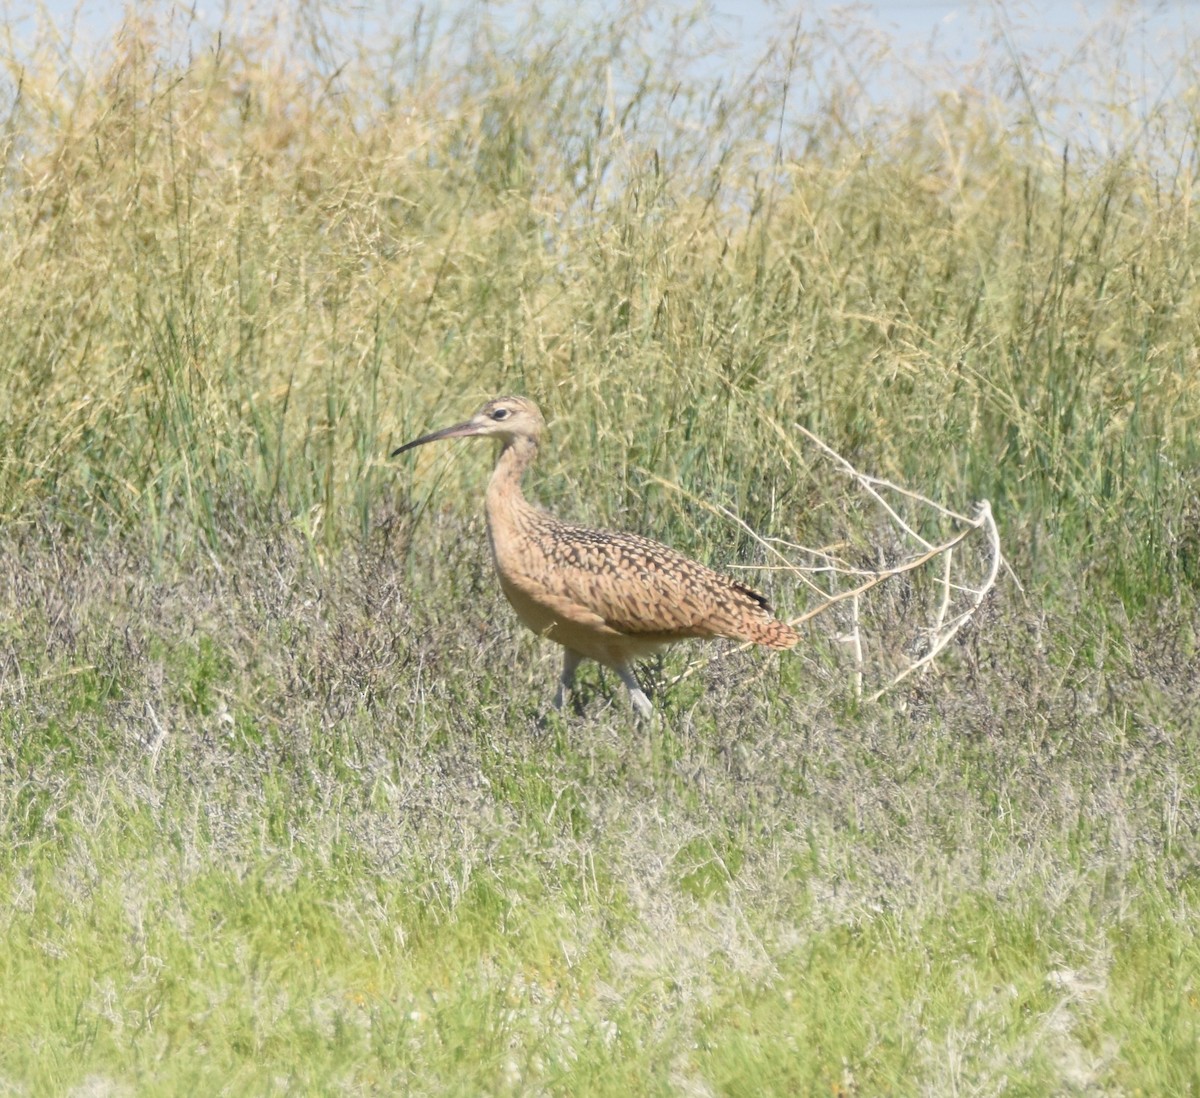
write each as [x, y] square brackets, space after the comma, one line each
[282, 809]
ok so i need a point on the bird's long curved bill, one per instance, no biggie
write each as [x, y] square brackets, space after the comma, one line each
[459, 430]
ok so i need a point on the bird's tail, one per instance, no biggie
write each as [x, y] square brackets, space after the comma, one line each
[772, 633]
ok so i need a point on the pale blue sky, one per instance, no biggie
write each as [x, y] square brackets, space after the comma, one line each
[935, 41]
[912, 22]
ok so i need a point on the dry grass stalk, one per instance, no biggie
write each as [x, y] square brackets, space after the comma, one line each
[958, 601]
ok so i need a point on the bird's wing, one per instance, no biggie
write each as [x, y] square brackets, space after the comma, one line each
[637, 586]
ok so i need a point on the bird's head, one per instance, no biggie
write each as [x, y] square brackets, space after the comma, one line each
[507, 418]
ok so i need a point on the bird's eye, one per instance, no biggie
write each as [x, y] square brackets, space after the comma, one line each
[500, 413]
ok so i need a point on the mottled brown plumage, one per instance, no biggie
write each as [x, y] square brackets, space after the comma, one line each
[601, 594]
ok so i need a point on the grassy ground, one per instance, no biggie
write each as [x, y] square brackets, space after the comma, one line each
[282, 806]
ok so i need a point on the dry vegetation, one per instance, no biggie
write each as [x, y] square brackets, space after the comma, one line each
[281, 806]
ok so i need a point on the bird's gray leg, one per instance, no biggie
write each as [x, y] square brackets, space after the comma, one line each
[640, 702]
[566, 680]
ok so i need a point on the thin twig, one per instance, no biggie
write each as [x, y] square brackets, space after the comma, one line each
[943, 628]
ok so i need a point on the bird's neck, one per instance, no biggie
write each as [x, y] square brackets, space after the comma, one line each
[504, 489]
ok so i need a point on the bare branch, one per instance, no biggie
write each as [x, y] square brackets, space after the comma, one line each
[958, 598]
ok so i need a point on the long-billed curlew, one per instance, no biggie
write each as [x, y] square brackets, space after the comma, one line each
[603, 595]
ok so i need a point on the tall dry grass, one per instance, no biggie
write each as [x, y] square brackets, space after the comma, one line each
[244, 264]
